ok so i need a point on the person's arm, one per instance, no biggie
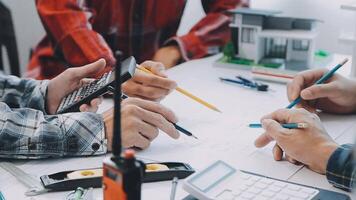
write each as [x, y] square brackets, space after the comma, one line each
[18, 93]
[210, 33]
[27, 133]
[68, 24]
[341, 168]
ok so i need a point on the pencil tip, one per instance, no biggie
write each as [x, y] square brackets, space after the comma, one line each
[195, 137]
[345, 61]
[217, 110]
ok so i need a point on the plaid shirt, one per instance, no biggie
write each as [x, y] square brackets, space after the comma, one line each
[27, 132]
[341, 168]
[82, 31]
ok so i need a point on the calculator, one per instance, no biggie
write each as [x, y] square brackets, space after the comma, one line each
[96, 88]
[220, 181]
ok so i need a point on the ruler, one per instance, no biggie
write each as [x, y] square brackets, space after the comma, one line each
[34, 185]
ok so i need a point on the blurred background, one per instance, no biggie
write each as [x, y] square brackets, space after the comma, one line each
[29, 30]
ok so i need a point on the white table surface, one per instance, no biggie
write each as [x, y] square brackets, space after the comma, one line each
[222, 136]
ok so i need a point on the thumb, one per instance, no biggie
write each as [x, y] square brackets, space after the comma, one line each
[318, 91]
[90, 70]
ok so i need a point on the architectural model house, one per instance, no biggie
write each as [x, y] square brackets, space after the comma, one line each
[261, 37]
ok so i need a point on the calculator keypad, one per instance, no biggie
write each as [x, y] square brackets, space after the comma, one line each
[260, 188]
[84, 91]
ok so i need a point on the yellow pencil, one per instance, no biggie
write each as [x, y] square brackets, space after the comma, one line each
[186, 93]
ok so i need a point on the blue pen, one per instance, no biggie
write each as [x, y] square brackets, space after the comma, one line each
[320, 81]
[289, 125]
[186, 132]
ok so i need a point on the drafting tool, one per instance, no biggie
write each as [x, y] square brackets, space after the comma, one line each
[289, 125]
[247, 83]
[186, 93]
[179, 128]
[174, 188]
[34, 185]
[324, 78]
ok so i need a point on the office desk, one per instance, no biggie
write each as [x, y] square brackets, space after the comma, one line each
[222, 136]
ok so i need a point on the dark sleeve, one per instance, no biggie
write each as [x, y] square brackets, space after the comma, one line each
[340, 170]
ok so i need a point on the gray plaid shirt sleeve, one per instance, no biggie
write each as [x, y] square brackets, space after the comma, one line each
[23, 93]
[27, 132]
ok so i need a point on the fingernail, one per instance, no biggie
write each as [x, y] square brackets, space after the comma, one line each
[306, 94]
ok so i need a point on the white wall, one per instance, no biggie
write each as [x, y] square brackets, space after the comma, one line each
[29, 30]
[334, 19]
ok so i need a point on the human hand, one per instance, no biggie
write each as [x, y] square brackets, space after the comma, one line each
[70, 80]
[169, 56]
[310, 146]
[337, 95]
[140, 123]
[152, 87]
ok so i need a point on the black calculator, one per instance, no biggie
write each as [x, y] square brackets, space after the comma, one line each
[85, 94]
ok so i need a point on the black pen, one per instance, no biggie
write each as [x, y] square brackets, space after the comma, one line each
[179, 128]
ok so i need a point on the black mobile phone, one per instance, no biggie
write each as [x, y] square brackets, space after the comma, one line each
[98, 87]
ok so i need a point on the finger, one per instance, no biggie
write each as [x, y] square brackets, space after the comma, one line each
[89, 70]
[287, 115]
[94, 105]
[263, 140]
[160, 122]
[274, 129]
[148, 92]
[155, 67]
[153, 80]
[153, 107]
[141, 142]
[147, 130]
[291, 160]
[277, 152]
[84, 108]
[319, 91]
[303, 80]
[95, 102]
[86, 81]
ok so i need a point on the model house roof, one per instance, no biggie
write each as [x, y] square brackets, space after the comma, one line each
[248, 11]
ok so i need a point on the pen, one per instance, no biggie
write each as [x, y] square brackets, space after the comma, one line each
[174, 188]
[179, 128]
[289, 125]
[320, 81]
[2, 196]
[186, 93]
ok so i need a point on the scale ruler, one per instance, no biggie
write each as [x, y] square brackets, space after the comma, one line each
[34, 186]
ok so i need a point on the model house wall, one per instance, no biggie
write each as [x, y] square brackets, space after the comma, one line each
[263, 38]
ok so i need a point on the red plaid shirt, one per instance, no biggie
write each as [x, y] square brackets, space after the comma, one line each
[82, 31]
